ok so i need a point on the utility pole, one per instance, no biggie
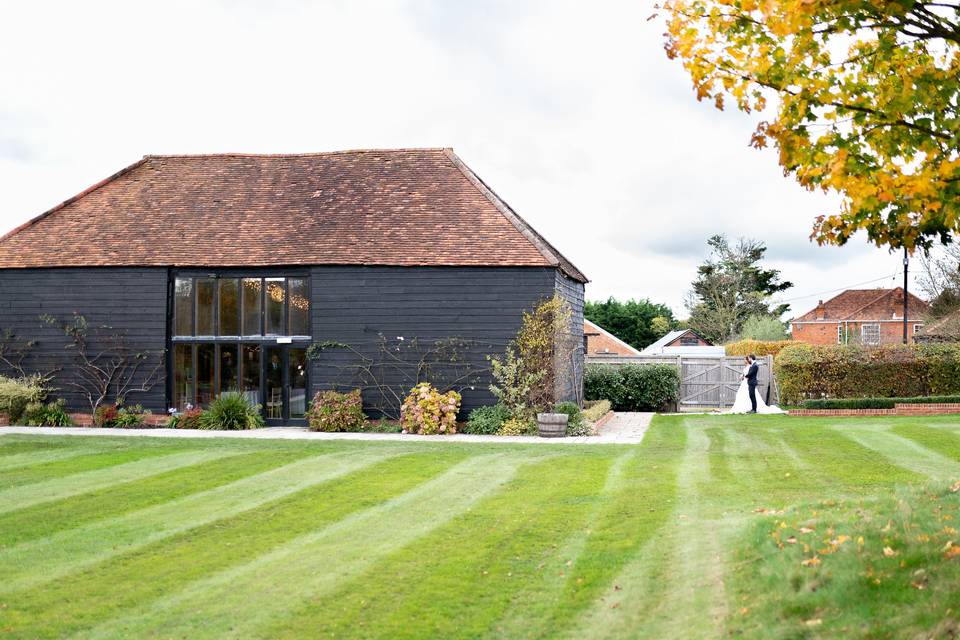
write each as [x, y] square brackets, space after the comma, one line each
[906, 263]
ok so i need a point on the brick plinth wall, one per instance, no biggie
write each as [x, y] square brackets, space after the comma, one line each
[932, 409]
[4, 420]
[604, 419]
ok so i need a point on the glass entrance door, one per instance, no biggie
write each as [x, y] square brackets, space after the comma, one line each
[285, 385]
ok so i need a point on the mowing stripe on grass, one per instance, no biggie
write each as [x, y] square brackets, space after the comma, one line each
[84, 599]
[553, 584]
[848, 464]
[514, 535]
[624, 548]
[43, 560]
[938, 439]
[906, 452]
[48, 518]
[312, 565]
[42, 456]
[23, 496]
[95, 460]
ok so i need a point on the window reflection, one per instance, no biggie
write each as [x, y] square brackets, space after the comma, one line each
[229, 309]
[183, 307]
[251, 306]
[274, 311]
[205, 294]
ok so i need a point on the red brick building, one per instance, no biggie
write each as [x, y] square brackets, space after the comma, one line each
[860, 316]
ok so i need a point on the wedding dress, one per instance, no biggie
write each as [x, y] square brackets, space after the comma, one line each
[741, 403]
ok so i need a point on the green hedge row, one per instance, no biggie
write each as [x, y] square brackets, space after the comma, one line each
[633, 387]
[847, 371]
[874, 403]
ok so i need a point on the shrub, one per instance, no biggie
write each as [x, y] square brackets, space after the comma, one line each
[105, 415]
[576, 425]
[51, 414]
[874, 403]
[756, 347]
[518, 427]
[487, 420]
[513, 384]
[16, 394]
[633, 387]
[596, 410]
[333, 411]
[189, 419]
[231, 412]
[850, 371]
[134, 417]
[426, 411]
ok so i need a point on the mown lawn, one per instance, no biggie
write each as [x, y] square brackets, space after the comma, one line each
[762, 526]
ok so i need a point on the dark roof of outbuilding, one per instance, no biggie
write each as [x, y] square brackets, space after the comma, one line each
[407, 207]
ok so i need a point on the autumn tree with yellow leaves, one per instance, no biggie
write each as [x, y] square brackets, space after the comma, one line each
[860, 98]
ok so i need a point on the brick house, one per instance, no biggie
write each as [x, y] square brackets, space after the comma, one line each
[599, 341]
[860, 316]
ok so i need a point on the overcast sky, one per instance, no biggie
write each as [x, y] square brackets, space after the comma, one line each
[570, 111]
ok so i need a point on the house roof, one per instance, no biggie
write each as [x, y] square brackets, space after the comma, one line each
[605, 342]
[667, 339]
[864, 305]
[406, 207]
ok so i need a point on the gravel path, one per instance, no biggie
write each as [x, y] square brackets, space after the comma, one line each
[623, 428]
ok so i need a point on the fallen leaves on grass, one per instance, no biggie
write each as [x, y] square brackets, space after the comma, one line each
[811, 562]
[888, 552]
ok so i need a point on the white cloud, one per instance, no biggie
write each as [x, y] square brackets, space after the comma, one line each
[571, 111]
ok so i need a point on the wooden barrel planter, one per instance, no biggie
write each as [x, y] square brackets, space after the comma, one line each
[552, 425]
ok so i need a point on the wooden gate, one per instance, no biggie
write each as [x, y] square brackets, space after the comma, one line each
[706, 382]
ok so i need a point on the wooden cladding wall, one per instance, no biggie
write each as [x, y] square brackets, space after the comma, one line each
[130, 300]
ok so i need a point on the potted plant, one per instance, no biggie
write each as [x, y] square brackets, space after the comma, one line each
[552, 425]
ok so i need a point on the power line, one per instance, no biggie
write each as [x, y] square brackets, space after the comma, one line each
[858, 284]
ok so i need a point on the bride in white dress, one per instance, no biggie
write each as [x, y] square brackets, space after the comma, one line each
[741, 403]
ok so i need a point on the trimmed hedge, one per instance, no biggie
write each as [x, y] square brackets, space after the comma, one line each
[633, 387]
[875, 403]
[756, 347]
[848, 371]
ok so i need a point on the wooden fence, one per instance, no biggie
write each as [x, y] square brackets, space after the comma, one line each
[706, 382]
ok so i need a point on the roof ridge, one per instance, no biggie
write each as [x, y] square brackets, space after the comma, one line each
[308, 154]
[540, 243]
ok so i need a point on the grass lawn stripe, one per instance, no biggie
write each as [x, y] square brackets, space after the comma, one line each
[52, 557]
[89, 461]
[552, 580]
[14, 444]
[44, 455]
[641, 589]
[82, 600]
[42, 520]
[28, 495]
[905, 451]
[938, 439]
[316, 563]
[850, 466]
[511, 548]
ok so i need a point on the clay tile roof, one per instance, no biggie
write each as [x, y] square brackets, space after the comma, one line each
[864, 305]
[404, 207]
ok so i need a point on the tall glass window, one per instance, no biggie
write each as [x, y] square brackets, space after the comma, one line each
[229, 311]
[229, 368]
[183, 307]
[205, 296]
[205, 371]
[182, 376]
[250, 373]
[298, 309]
[251, 306]
[274, 301]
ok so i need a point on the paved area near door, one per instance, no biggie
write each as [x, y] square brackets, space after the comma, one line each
[623, 428]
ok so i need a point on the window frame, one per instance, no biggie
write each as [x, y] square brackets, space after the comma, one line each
[193, 341]
[863, 333]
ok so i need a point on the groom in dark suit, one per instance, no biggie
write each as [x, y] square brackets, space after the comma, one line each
[751, 377]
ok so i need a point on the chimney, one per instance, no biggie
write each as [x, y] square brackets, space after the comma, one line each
[821, 312]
